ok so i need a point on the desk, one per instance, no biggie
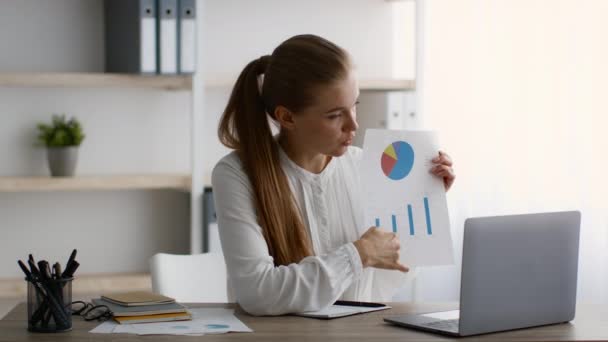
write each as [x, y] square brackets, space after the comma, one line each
[591, 323]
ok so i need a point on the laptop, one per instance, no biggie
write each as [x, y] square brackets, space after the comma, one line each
[518, 271]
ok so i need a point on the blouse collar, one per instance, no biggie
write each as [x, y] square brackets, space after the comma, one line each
[304, 174]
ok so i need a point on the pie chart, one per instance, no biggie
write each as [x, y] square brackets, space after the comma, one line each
[397, 160]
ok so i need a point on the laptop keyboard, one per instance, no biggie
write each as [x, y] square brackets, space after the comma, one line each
[448, 325]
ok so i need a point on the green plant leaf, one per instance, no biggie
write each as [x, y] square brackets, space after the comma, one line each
[60, 133]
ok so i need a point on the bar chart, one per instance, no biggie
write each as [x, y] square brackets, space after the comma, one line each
[410, 228]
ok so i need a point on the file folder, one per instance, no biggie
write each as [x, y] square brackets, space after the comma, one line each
[130, 36]
[167, 36]
[187, 36]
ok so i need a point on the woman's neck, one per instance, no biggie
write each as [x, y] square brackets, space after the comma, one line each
[310, 161]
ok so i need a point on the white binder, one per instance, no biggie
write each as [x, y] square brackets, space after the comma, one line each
[147, 31]
[167, 36]
[187, 36]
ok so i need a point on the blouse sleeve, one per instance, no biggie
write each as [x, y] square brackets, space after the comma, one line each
[261, 288]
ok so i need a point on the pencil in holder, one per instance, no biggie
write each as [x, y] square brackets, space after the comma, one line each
[49, 305]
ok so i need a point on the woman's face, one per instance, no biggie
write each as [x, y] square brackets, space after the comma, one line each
[328, 127]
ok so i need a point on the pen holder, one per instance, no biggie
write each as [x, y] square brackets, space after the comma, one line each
[49, 305]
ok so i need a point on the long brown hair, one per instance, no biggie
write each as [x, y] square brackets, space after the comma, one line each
[290, 77]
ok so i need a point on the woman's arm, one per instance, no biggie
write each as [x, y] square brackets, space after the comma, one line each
[260, 287]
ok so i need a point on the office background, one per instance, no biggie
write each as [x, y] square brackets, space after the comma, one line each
[141, 130]
[515, 89]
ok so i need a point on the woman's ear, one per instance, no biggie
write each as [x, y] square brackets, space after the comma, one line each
[284, 117]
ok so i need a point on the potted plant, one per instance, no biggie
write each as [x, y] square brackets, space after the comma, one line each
[61, 138]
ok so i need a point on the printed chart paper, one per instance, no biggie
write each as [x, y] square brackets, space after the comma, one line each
[401, 195]
[204, 321]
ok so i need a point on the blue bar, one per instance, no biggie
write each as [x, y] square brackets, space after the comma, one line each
[394, 224]
[377, 222]
[409, 213]
[428, 216]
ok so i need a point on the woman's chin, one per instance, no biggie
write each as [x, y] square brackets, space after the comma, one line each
[338, 152]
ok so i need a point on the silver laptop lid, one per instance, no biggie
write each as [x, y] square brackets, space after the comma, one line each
[518, 271]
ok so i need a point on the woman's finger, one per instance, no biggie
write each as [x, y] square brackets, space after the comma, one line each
[399, 266]
[444, 173]
[443, 159]
[447, 173]
[441, 168]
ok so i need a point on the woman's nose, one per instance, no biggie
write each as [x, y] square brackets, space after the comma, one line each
[351, 124]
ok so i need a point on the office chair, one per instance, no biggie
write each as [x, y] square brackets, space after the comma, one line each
[198, 278]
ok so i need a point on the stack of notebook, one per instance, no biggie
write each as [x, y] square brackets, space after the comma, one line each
[143, 307]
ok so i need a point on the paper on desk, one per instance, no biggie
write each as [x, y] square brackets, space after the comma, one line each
[204, 321]
[335, 311]
[402, 196]
[105, 328]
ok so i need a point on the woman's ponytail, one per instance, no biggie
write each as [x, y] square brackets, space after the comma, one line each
[244, 127]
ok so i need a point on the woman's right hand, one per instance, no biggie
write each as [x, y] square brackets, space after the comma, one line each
[380, 249]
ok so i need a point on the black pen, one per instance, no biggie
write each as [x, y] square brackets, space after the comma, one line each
[39, 292]
[52, 294]
[357, 303]
[28, 274]
[34, 269]
[69, 271]
[68, 265]
[45, 271]
[57, 270]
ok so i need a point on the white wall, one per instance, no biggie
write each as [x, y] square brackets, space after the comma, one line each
[238, 31]
[517, 90]
[139, 131]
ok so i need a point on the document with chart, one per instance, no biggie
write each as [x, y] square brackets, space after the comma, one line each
[401, 195]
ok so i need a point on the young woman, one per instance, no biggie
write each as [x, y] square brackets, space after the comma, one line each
[288, 206]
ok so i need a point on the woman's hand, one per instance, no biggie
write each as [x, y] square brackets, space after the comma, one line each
[443, 169]
[380, 249]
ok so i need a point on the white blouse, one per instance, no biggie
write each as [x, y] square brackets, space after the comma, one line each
[330, 203]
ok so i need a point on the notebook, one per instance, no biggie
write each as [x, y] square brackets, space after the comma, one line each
[137, 298]
[179, 316]
[343, 308]
[119, 310]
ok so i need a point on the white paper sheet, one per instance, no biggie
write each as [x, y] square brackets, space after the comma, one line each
[204, 321]
[105, 328]
[334, 311]
[401, 195]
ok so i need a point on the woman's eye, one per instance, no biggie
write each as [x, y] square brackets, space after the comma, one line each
[334, 116]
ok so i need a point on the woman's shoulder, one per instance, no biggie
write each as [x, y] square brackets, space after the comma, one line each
[231, 159]
[228, 168]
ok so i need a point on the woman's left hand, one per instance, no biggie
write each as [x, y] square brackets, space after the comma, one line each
[443, 168]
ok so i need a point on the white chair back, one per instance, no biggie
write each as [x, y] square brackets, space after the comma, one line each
[198, 278]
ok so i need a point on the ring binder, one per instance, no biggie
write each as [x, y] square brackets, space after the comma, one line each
[130, 36]
[167, 36]
[187, 36]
